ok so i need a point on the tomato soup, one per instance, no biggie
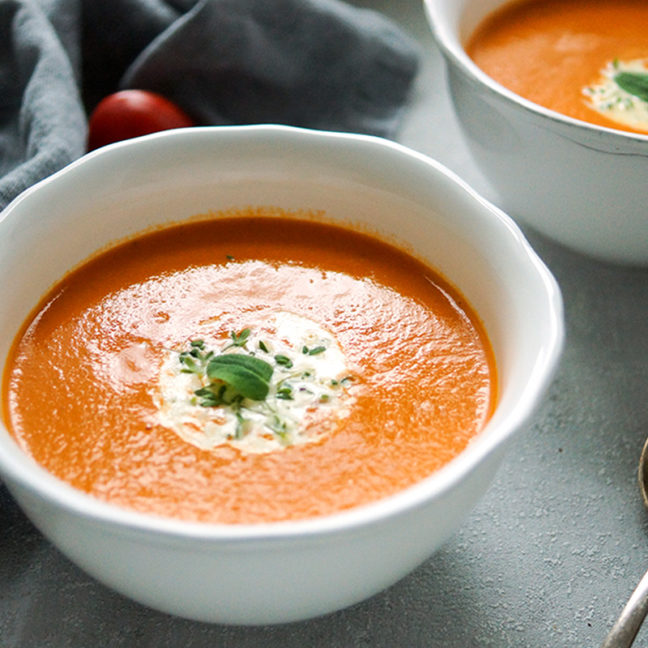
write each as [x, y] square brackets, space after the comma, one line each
[248, 369]
[587, 59]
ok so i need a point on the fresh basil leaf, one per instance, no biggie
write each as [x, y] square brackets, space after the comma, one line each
[247, 375]
[634, 83]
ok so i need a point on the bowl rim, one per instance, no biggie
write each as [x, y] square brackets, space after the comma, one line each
[447, 39]
[24, 471]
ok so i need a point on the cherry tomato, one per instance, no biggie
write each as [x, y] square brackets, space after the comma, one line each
[131, 113]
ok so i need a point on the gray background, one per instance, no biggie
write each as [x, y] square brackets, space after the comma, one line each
[547, 558]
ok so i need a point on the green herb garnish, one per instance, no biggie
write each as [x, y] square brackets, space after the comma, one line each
[212, 395]
[634, 83]
[283, 360]
[284, 392]
[239, 339]
[240, 423]
[279, 427]
[195, 360]
[189, 364]
[242, 382]
[247, 375]
[314, 351]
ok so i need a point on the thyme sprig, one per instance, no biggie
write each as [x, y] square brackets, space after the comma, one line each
[196, 358]
[238, 339]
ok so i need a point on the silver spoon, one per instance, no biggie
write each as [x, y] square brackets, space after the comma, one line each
[627, 626]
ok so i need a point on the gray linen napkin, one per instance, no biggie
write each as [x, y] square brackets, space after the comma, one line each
[313, 63]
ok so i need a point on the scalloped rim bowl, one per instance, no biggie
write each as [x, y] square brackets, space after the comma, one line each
[271, 573]
[580, 184]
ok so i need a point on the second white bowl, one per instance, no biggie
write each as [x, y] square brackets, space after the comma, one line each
[584, 186]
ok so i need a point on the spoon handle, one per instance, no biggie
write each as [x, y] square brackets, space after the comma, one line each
[627, 626]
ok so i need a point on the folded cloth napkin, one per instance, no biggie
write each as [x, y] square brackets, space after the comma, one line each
[320, 64]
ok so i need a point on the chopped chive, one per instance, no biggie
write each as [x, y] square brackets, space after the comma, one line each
[314, 350]
[285, 393]
[284, 361]
[240, 422]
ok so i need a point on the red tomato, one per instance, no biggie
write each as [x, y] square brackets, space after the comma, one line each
[131, 113]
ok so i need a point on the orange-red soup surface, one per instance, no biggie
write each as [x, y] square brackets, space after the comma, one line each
[79, 390]
[554, 52]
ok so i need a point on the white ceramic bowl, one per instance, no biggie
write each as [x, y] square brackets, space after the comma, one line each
[582, 185]
[285, 571]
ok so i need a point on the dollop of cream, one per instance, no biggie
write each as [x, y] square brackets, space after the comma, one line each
[612, 101]
[313, 371]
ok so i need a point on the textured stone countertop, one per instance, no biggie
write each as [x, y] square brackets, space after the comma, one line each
[546, 559]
